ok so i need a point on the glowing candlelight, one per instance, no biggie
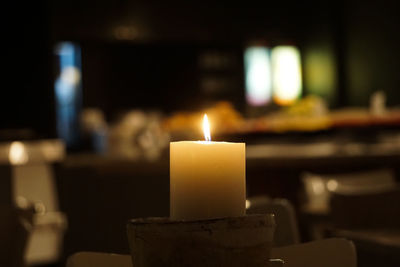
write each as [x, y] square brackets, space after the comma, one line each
[206, 128]
[207, 178]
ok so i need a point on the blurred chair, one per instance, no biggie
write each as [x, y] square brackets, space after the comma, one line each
[319, 187]
[27, 167]
[316, 209]
[331, 252]
[366, 210]
[372, 221]
[286, 232]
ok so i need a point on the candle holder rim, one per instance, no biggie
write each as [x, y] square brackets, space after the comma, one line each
[269, 219]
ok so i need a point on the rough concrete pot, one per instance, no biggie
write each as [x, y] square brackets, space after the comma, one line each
[238, 241]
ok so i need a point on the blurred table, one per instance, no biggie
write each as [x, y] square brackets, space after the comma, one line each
[388, 238]
[377, 247]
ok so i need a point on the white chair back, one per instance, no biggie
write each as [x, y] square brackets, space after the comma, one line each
[286, 231]
[319, 187]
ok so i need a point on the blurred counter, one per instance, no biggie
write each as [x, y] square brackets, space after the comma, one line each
[324, 153]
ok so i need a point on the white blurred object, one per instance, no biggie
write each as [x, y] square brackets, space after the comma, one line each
[71, 75]
[18, 154]
[378, 103]
[318, 187]
[138, 134]
[257, 75]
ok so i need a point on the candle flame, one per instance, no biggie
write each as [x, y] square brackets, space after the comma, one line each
[206, 128]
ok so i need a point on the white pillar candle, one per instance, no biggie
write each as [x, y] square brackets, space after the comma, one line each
[207, 179]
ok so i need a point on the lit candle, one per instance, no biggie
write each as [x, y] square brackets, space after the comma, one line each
[207, 179]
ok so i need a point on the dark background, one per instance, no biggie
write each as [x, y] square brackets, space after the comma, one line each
[141, 54]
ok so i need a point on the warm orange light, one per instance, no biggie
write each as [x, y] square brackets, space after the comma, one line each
[17, 153]
[206, 128]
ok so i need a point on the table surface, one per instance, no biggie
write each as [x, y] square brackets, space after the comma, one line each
[384, 237]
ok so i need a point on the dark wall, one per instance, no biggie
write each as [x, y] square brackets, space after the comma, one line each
[164, 76]
[351, 44]
[372, 50]
[26, 96]
[142, 54]
[139, 54]
[180, 21]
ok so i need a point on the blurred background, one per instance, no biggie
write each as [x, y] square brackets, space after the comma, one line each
[94, 92]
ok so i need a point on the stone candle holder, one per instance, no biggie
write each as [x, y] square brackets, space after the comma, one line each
[235, 241]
